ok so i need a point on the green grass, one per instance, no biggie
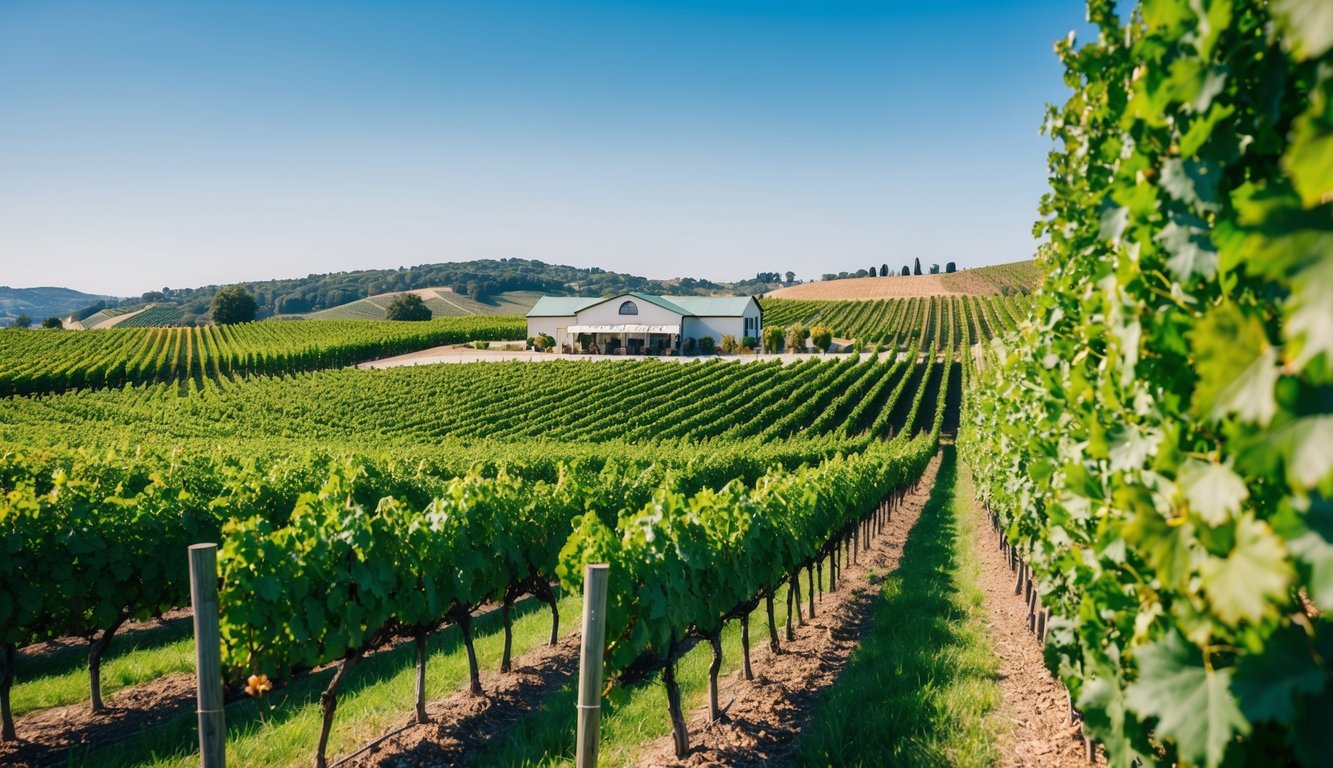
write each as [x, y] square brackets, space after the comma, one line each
[921, 689]
[60, 678]
[377, 695]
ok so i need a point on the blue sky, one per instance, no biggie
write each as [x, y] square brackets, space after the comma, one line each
[145, 144]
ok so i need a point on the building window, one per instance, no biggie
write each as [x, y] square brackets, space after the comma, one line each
[629, 308]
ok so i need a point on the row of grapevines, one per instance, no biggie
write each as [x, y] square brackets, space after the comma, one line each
[40, 362]
[1159, 442]
[685, 565]
[898, 321]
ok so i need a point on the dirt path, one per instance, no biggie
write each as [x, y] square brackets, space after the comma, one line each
[48, 736]
[1034, 702]
[765, 716]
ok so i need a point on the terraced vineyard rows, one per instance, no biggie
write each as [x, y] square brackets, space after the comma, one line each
[898, 322]
[35, 363]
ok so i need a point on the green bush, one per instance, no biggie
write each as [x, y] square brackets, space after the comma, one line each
[707, 345]
[407, 306]
[821, 336]
[796, 335]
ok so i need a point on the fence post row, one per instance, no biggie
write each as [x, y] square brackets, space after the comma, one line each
[208, 654]
[590, 664]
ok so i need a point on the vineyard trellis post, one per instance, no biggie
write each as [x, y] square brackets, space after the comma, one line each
[208, 654]
[595, 578]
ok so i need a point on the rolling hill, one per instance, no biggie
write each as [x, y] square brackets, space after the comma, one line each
[1019, 277]
[44, 302]
[443, 302]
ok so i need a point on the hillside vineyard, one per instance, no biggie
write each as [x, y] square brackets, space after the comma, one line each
[33, 363]
[288, 469]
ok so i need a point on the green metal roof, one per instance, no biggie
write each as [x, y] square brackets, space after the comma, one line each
[712, 306]
[686, 306]
[562, 306]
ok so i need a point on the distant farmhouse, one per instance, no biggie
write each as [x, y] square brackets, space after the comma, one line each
[638, 323]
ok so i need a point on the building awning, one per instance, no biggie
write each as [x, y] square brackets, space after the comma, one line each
[623, 329]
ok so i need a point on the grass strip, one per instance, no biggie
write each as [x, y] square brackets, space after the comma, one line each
[60, 677]
[921, 689]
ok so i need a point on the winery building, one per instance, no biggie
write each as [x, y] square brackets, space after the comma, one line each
[638, 323]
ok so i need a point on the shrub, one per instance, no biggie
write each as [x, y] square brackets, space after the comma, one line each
[749, 343]
[796, 334]
[407, 306]
[543, 342]
[773, 336]
[707, 345]
[821, 336]
[689, 347]
[728, 344]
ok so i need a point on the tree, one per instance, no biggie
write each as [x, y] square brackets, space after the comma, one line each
[934, 269]
[950, 268]
[233, 305]
[883, 270]
[796, 334]
[53, 323]
[821, 336]
[906, 271]
[407, 306]
[916, 269]
[22, 321]
[791, 276]
[773, 336]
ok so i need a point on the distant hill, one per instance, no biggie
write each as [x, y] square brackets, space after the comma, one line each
[443, 302]
[486, 282]
[41, 303]
[1020, 277]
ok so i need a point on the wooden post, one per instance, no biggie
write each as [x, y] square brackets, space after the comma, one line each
[208, 654]
[590, 664]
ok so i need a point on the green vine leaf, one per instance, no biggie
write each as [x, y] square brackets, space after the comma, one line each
[1309, 24]
[1212, 490]
[1242, 585]
[1193, 704]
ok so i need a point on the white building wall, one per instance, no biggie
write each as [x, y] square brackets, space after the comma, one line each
[717, 327]
[551, 326]
[608, 313]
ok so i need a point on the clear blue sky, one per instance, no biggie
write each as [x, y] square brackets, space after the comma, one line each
[145, 144]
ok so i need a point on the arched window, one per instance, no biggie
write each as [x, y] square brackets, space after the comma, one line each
[629, 308]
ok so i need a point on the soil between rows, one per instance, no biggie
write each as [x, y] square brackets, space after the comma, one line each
[1034, 703]
[47, 737]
